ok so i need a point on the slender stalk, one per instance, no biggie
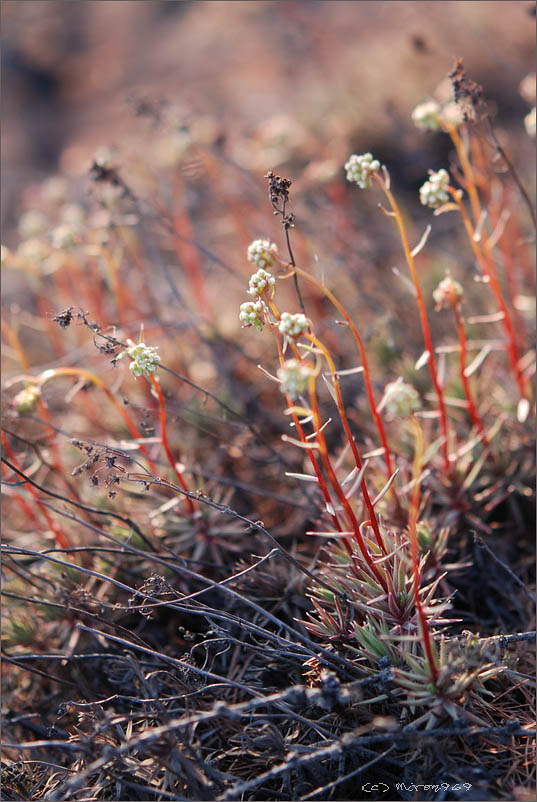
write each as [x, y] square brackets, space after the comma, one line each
[423, 319]
[365, 364]
[59, 537]
[53, 373]
[413, 536]
[164, 436]
[323, 450]
[484, 260]
[351, 440]
[472, 409]
[467, 169]
[315, 464]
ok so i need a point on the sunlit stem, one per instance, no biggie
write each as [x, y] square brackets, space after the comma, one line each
[365, 364]
[299, 429]
[467, 170]
[414, 549]
[484, 259]
[350, 438]
[323, 450]
[60, 538]
[423, 319]
[55, 373]
[472, 409]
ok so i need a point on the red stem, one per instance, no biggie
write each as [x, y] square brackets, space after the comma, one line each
[424, 324]
[472, 409]
[164, 436]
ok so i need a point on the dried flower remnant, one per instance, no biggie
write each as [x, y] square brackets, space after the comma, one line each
[435, 192]
[360, 169]
[448, 292]
[468, 94]
[252, 313]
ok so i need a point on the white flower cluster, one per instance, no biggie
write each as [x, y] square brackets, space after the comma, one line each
[261, 283]
[427, 115]
[361, 168]
[400, 399]
[447, 291]
[252, 313]
[430, 116]
[529, 122]
[294, 377]
[293, 325]
[261, 252]
[63, 237]
[434, 192]
[145, 359]
[25, 402]
[32, 224]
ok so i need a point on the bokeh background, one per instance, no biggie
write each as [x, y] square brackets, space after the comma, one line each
[297, 78]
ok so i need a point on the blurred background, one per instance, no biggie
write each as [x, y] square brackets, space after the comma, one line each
[274, 83]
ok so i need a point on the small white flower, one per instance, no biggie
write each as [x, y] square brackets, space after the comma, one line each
[261, 283]
[145, 359]
[63, 237]
[452, 114]
[435, 191]
[6, 255]
[361, 168]
[34, 251]
[427, 116]
[527, 88]
[32, 224]
[55, 189]
[25, 402]
[73, 214]
[400, 399]
[293, 325]
[252, 313]
[529, 122]
[447, 291]
[294, 377]
[261, 252]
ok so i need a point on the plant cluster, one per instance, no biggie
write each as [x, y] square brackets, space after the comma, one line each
[241, 594]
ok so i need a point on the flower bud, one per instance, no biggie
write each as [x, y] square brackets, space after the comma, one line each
[293, 325]
[435, 191]
[261, 252]
[294, 377]
[25, 402]
[400, 400]
[447, 292]
[529, 122]
[427, 116]
[252, 313]
[361, 168]
[145, 359]
[261, 283]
